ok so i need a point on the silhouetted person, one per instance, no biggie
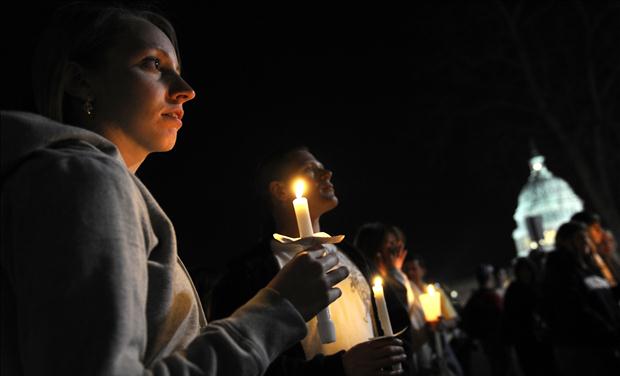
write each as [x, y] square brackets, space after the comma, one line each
[523, 325]
[482, 320]
[583, 317]
[604, 254]
[502, 280]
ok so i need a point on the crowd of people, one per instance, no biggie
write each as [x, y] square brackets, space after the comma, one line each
[92, 283]
[560, 314]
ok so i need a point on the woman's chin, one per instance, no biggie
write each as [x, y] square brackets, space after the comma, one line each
[168, 142]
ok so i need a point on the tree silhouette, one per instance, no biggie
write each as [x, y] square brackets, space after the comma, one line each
[553, 68]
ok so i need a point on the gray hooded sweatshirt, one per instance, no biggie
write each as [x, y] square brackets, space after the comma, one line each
[91, 282]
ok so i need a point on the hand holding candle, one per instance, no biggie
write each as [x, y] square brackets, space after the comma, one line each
[325, 326]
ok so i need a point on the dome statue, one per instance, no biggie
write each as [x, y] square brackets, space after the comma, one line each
[545, 202]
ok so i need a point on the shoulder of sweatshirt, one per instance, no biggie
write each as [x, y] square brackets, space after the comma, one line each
[74, 163]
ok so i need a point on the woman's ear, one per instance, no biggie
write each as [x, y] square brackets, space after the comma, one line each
[278, 191]
[76, 82]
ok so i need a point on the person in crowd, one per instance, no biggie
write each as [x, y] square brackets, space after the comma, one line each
[502, 280]
[481, 320]
[523, 325]
[354, 352]
[604, 255]
[91, 280]
[415, 269]
[384, 246]
[579, 306]
[378, 243]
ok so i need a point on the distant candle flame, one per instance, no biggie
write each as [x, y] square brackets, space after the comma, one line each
[300, 187]
[430, 289]
[378, 281]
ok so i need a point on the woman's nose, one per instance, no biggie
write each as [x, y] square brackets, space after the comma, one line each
[181, 92]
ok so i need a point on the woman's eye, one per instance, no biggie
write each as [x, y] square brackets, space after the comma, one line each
[152, 63]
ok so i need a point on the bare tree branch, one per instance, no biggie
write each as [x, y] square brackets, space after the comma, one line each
[578, 159]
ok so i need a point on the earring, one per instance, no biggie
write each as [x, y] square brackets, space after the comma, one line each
[88, 107]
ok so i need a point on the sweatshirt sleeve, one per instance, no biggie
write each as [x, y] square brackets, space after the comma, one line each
[243, 279]
[79, 275]
[249, 340]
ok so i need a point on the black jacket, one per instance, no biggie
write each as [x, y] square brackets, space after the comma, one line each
[578, 315]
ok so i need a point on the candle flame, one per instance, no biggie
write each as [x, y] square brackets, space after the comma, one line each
[378, 281]
[299, 187]
[430, 289]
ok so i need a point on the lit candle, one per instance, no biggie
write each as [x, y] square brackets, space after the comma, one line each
[325, 326]
[431, 304]
[302, 212]
[384, 317]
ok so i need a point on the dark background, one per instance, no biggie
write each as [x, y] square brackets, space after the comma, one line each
[419, 110]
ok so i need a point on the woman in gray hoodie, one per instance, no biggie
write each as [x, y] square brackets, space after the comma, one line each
[91, 280]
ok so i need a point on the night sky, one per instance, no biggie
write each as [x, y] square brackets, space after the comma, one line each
[417, 110]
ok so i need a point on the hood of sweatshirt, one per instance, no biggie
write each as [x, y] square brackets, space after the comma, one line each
[23, 133]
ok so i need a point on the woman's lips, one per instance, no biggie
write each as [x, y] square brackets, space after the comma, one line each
[174, 118]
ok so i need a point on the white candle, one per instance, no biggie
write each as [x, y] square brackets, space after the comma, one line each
[384, 317]
[325, 326]
[302, 212]
[431, 304]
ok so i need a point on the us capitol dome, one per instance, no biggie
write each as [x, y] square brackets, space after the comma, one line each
[545, 202]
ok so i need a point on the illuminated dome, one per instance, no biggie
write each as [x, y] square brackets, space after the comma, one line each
[545, 202]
